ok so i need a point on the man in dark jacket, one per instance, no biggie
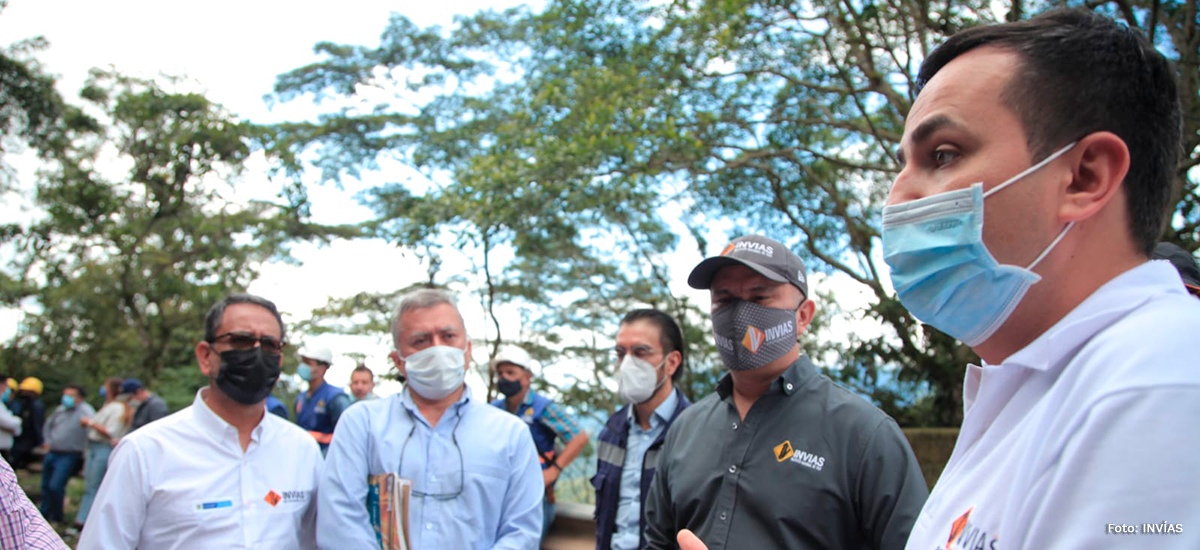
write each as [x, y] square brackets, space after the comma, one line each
[650, 355]
[150, 407]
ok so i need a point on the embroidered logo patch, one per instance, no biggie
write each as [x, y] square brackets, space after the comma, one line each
[784, 451]
[272, 498]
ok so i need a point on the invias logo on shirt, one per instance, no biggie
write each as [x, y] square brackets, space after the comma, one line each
[965, 535]
[785, 452]
[287, 497]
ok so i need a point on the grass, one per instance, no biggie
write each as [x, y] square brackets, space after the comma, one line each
[31, 482]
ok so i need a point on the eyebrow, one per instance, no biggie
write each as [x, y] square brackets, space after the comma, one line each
[925, 129]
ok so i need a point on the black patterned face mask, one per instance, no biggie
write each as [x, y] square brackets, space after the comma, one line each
[750, 336]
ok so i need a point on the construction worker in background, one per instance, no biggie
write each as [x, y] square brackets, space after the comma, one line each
[32, 412]
[513, 368]
[318, 409]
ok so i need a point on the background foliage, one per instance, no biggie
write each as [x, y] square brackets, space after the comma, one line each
[565, 150]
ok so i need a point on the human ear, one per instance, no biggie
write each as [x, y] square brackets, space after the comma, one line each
[804, 315]
[204, 357]
[1101, 161]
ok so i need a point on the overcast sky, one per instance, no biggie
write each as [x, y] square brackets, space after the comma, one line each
[233, 50]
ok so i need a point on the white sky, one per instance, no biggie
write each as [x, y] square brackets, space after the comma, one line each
[233, 50]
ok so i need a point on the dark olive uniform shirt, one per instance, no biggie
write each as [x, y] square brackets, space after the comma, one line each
[812, 466]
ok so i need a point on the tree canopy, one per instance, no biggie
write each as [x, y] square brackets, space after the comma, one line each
[138, 234]
[570, 134]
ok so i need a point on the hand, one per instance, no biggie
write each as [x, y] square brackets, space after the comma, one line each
[689, 541]
[550, 475]
[85, 422]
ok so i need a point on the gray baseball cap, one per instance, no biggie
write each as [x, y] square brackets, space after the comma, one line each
[767, 257]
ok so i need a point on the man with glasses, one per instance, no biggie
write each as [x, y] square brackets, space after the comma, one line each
[513, 368]
[779, 456]
[221, 473]
[650, 359]
[474, 470]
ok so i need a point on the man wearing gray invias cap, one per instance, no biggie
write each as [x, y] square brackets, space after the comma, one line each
[779, 456]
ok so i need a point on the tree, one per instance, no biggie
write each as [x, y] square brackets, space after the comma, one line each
[31, 110]
[116, 276]
[566, 131]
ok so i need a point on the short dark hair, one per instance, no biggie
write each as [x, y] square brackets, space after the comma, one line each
[363, 368]
[213, 320]
[670, 337]
[78, 389]
[1082, 72]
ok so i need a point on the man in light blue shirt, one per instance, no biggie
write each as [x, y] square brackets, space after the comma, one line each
[476, 479]
[650, 351]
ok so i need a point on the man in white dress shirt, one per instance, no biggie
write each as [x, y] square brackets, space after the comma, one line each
[1079, 426]
[221, 473]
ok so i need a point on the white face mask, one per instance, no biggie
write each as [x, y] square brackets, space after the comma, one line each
[435, 372]
[638, 379]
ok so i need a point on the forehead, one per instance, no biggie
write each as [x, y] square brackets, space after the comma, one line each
[251, 318]
[640, 332]
[71, 390]
[354, 375]
[430, 319]
[967, 91]
[509, 368]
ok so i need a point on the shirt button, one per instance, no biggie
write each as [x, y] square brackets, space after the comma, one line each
[429, 526]
[723, 516]
[735, 425]
[789, 386]
[733, 469]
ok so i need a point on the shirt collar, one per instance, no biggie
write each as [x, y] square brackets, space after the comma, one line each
[795, 377]
[216, 426]
[528, 401]
[662, 412]
[407, 401]
[1114, 299]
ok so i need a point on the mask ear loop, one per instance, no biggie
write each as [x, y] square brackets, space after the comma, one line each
[1030, 170]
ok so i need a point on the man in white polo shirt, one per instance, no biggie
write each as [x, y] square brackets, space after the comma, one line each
[221, 473]
[1079, 428]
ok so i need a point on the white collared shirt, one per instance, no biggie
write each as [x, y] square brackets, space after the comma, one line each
[1084, 435]
[184, 482]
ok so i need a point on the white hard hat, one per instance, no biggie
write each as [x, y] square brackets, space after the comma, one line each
[517, 356]
[324, 355]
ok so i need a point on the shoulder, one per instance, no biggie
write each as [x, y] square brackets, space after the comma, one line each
[696, 415]
[289, 437]
[1151, 346]
[164, 436]
[497, 420]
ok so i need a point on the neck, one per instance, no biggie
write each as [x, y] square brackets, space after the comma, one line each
[1088, 261]
[643, 411]
[433, 409]
[243, 417]
[749, 385]
[512, 403]
[315, 384]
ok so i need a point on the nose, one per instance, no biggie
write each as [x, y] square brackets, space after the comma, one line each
[903, 189]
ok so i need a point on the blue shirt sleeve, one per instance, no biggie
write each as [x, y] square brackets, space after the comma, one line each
[342, 520]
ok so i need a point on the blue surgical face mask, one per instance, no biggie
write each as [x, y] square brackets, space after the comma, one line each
[304, 372]
[7, 396]
[941, 269]
[68, 401]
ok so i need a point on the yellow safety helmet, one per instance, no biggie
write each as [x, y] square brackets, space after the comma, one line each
[12, 384]
[31, 384]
